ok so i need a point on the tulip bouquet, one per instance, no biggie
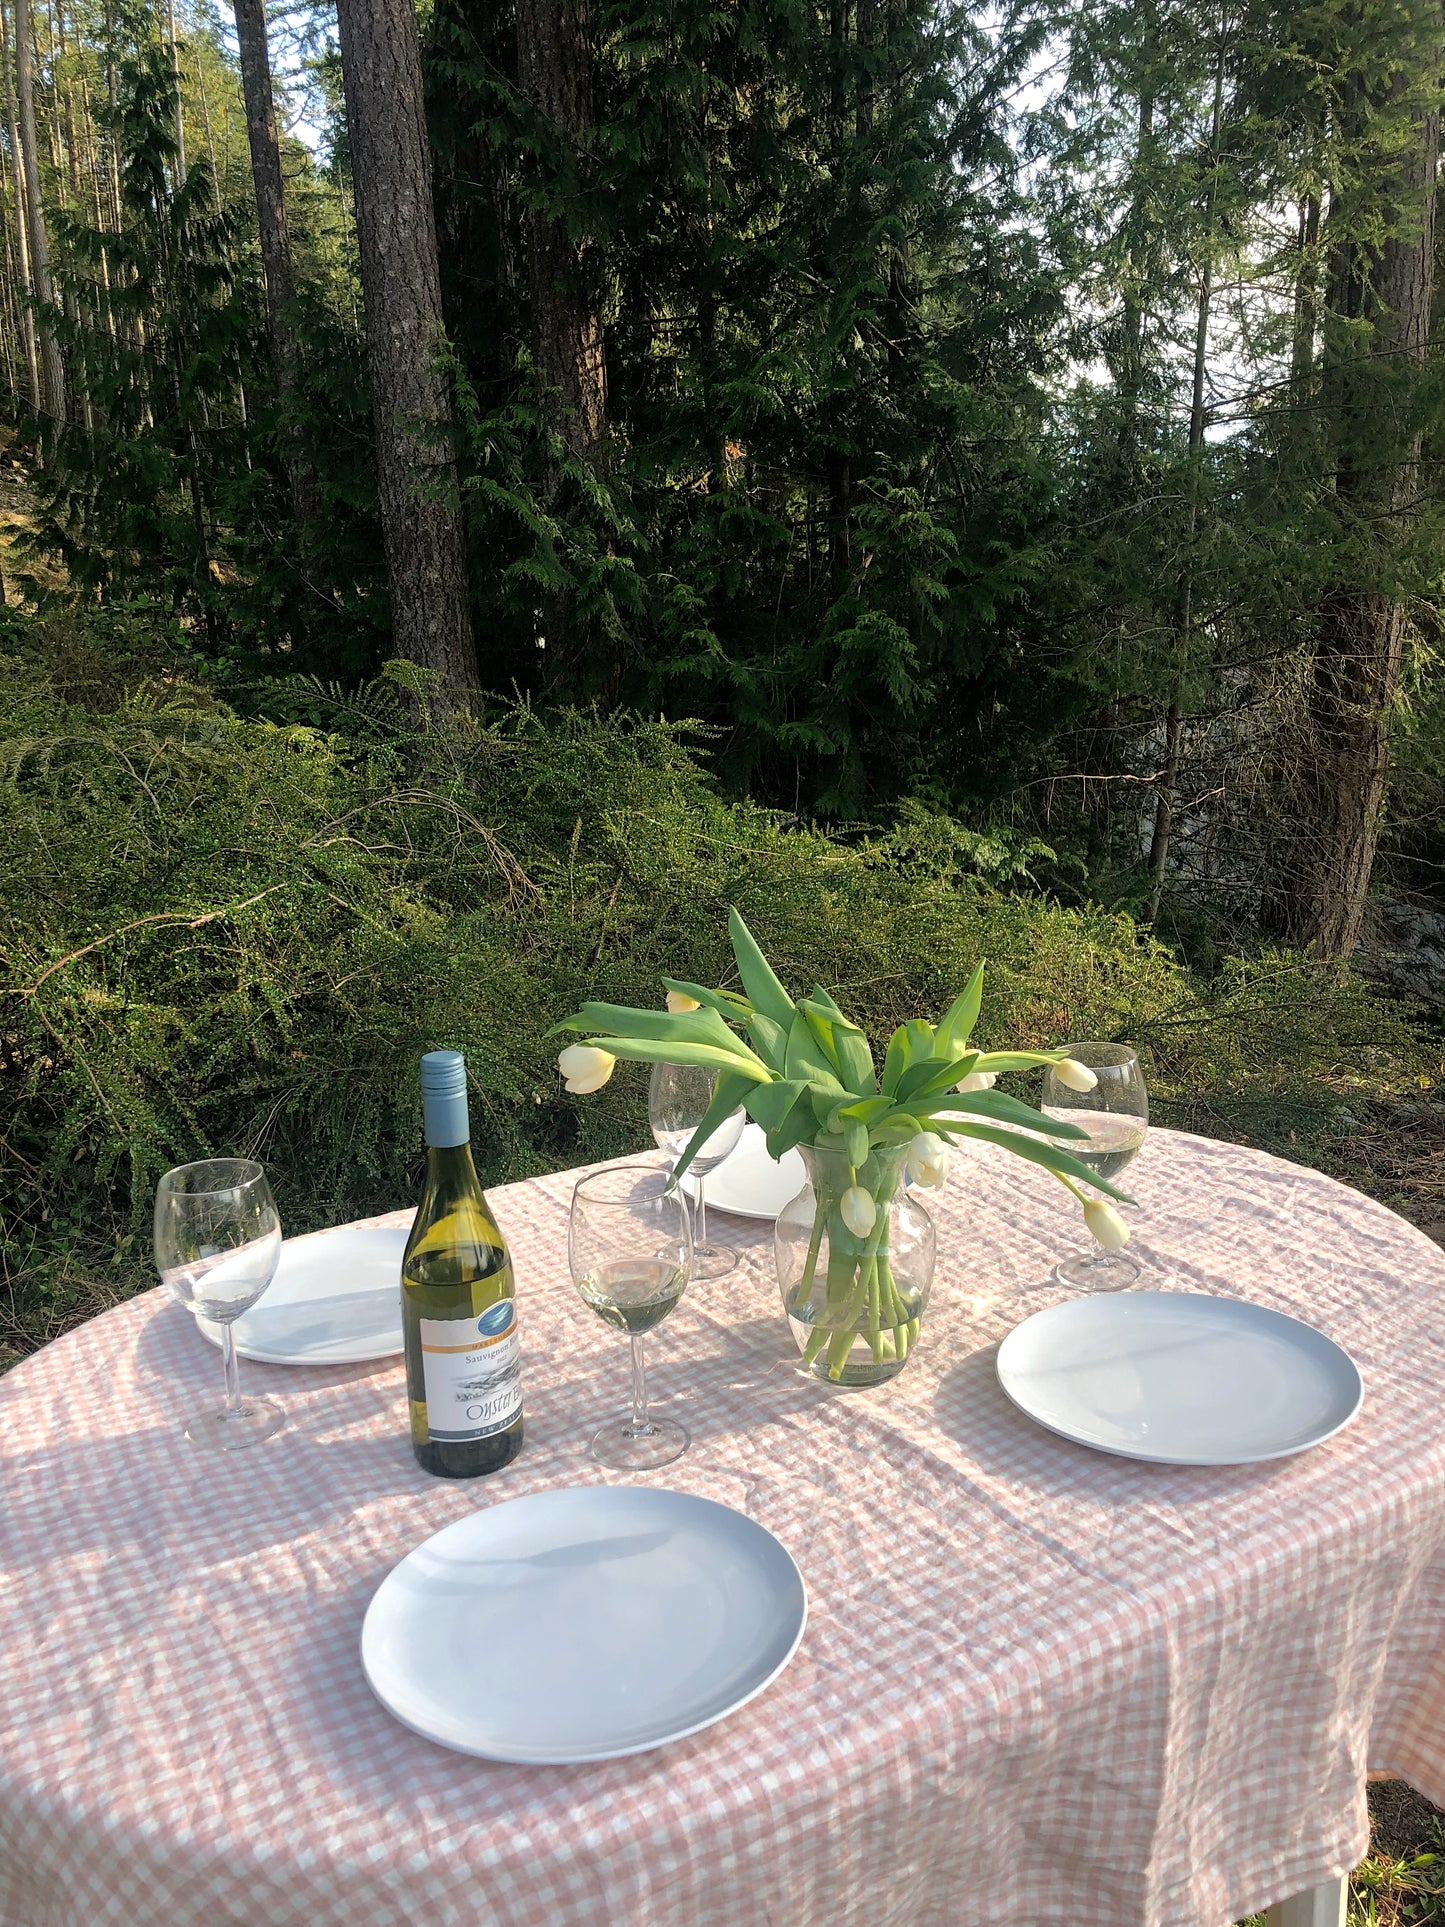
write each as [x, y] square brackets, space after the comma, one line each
[804, 1072]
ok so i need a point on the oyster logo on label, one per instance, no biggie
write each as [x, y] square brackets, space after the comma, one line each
[495, 1319]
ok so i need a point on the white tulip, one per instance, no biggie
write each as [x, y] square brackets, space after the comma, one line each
[1077, 1076]
[679, 1003]
[927, 1159]
[978, 1081]
[1105, 1224]
[858, 1211]
[585, 1068]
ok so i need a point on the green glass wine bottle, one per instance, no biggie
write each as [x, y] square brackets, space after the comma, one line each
[458, 1303]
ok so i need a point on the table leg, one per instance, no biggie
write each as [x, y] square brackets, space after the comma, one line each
[1320, 1907]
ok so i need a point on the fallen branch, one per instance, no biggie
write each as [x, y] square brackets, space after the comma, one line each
[160, 916]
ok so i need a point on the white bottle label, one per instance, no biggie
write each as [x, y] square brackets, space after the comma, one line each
[471, 1372]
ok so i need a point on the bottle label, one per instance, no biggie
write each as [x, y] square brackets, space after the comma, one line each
[472, 1374]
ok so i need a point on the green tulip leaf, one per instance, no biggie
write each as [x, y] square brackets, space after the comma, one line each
[1007, 1110]
[895, 1061]
[958, 1020]
[849, 1043]
[1017, 1060]
[727, 1002]
[798, 1125]
[770, 1103]
[654, 1050]
[806, 1056]
[731, 1089]
[1047, 1155]
[927, 1075]
[771, 1041]
[764, 991]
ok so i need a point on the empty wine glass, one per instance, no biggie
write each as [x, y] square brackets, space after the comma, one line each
[217, 1243]
[677, 1100]
[629, 1243]
[1115, 1113]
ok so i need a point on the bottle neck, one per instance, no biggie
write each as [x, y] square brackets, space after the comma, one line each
[449, 1167]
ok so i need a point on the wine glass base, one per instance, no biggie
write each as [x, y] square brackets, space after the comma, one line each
[713, 1261]
[1100, 1271]
[626, 1448]
[230, 1428]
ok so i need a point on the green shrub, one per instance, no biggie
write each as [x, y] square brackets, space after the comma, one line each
[224, 933]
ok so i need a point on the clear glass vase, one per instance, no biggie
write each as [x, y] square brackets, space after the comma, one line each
[854, 1299]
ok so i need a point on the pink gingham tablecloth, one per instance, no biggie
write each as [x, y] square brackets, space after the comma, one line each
[1038, 1685]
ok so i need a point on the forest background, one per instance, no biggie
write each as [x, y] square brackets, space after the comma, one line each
[1004, 440]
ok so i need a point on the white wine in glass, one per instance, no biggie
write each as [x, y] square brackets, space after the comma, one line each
[629, 1243]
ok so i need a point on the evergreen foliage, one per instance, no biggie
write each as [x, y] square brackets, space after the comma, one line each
[234, 933]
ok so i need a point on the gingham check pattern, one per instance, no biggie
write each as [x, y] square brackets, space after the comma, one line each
[1038, 1685]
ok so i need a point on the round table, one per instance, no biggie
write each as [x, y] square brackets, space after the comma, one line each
[1039, 1685]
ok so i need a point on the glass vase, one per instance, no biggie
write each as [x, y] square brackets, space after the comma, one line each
[855, 1298]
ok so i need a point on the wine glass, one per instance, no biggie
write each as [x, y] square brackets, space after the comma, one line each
[677, 1100]
[629, 1243]
[1115, 1113]
[217, 1243]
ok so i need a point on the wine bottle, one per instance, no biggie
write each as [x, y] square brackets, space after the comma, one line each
[458, 1303]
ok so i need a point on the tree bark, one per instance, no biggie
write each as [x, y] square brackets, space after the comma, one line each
[1361, 631]
[421, 517]
[1139, 247]
[180, 104]
[554, 61]
[52, 369]
[275, 240]
[22, 237]
[1167, 799]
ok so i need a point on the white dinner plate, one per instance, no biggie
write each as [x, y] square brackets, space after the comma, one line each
[750, 1184]
[1179, 1378]
[582, 1624]
[335, 1300]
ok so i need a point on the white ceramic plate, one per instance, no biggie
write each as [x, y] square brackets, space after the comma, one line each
[582, 1624]
[1179, 1378]
[750, 1184]
[335, 1300]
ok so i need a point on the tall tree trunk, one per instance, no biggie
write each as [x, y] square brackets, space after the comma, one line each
[22, 235]
[1167, 798]
[421, 515]
[1140, 245]
[1361, 630]
[554, 60]
[1306, 302]
[52, 369]
[275, 240]
[180, 105]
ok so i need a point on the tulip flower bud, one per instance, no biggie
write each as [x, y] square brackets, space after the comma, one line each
[1105, 1224]
[1077, 1076]
[679, 1003]
[858, 1210]
[927, 1159]
[978, 1081]
[585, 1068]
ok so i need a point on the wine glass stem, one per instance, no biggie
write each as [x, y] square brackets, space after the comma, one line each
[701, 1212]
[639, 1388]
[233, 1369]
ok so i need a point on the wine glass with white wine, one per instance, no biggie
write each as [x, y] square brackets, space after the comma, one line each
[677, 1099]
[629, 1243]
[1115, 1113]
